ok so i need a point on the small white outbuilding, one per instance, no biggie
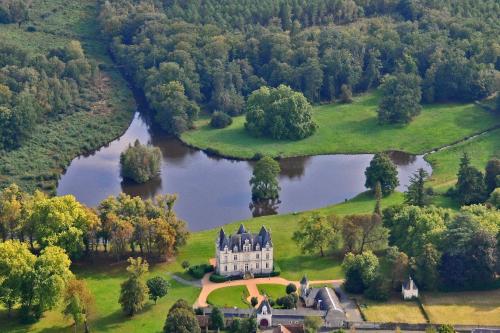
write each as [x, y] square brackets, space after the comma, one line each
[409, 289]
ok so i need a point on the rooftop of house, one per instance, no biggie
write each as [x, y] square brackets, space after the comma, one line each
[235, 242]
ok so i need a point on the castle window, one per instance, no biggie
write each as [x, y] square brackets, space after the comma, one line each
[235, 267]
[235, 257]
[267, 265]
[235, 249]
[225, 258]
[257, 256]
[267, 255]
[257, 247]
[257, 265]
[225, 268]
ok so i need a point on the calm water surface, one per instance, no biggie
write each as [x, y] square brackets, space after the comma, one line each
[213, 191]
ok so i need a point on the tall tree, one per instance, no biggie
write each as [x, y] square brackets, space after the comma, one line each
[401, 97]
[316, 233]
[470, 187]
[181, 318]
[415, 194]
[264, 181]
[133, 290]
[217, 319]
[279, 113]
[360, 270]
[157, 288]
[382, 170]
[492, 174]
[78, 302]
[363, 232]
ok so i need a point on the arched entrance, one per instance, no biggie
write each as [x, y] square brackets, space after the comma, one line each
[264, 323]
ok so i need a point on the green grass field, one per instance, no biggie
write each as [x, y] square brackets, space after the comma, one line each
[104, 282]
[394, 310]
[466, 308]
[445, 162]
[273, 291]
[352, 128]
[229, 297]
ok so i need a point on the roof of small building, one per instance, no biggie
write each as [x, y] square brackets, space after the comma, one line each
[291, 328]
[326, 299]
[304, 280]
[409, 284]
[236, 241]
[264, 302]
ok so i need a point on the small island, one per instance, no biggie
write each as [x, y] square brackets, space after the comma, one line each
[140, 163]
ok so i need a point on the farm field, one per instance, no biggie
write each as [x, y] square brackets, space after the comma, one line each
[352, 128]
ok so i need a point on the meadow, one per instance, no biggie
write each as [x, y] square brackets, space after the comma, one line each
[352, 128]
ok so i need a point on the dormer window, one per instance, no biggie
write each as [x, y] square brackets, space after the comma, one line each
[257, 247]
[235, 249]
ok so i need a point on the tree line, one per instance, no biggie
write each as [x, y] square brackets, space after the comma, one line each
[187, 56]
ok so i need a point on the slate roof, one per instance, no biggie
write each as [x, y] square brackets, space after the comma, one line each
[237, 240]
[265, 302]
[326, 298]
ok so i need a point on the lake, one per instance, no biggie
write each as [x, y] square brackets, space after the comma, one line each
[213, 191]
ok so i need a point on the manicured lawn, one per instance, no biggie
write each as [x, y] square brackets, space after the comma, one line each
[273, 291]
[292, 262]
[104, 282]
[445, 163]
[395, 311]
[477, 308]
[352, 128]
[229, 297]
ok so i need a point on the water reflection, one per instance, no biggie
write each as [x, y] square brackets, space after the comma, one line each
[263, 208]
[213, 191]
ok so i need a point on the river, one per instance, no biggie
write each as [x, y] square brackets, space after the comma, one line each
[213, 191]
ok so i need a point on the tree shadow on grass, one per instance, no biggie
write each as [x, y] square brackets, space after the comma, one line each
[114, 320]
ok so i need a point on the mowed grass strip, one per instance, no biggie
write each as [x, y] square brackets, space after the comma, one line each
[352, 128]
[464, 308]
[272, 290]
[394, 310]
[229, 297]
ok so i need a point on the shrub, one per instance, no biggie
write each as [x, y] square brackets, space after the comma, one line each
[216, 278]
[254, 301]
[379, 289]
[291, 288]
[198, 271]
[220, 120]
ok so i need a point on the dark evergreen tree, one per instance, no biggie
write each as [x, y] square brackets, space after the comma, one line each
[416, 194]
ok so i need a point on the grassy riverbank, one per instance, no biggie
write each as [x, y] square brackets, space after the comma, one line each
[103, 113]
[352, 128]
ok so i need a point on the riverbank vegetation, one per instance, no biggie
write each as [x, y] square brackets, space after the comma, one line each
[81, 101]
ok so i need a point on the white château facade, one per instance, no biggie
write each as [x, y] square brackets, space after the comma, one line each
[244, 252]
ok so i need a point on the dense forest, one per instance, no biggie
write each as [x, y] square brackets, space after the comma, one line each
[36, 87]
[218, 52]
